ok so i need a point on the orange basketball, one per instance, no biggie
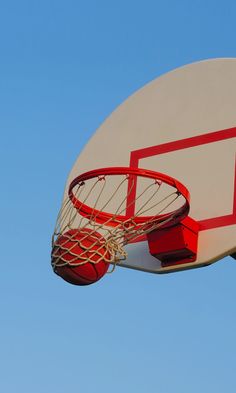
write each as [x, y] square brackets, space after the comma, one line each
[76, 246]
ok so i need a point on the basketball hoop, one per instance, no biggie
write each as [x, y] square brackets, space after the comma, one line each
[131, 174]
[123, 204]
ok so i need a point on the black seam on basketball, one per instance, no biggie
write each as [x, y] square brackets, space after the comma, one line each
[80, 275]
[94, 267]
[74, 276]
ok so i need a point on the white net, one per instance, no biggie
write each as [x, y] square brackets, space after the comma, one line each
[117, 216]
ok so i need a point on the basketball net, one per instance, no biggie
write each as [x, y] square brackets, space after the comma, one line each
[152, 200]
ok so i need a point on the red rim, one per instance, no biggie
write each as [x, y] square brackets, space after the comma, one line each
[115, 220]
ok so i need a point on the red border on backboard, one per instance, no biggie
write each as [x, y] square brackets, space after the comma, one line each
[136, 155]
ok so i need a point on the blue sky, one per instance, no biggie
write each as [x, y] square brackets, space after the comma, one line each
[64, 66]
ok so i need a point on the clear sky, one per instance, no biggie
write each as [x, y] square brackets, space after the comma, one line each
[64, 66]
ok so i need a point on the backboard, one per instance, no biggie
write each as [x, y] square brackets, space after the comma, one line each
[182, 124]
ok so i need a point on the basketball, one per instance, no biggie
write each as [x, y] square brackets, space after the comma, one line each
[79, 256]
